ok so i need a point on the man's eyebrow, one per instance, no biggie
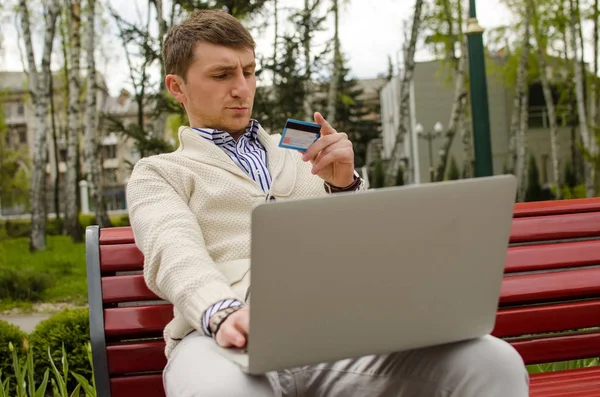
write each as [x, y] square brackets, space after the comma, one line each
[223, 68]
[231, 68]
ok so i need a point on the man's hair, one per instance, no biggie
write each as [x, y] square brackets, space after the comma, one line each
[212, 26]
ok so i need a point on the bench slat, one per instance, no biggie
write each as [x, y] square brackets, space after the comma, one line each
[515, 289]
[116, 235]
[137, 321]
[538, 287]
[547, 318]
[130, 358]
[120, 258]
[126, 288]
[582, 382]
[552, 256]
[559, 348]
[556, 207]
[141, 385]
[555, 227]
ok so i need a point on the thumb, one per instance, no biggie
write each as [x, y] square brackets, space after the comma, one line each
[326, 128]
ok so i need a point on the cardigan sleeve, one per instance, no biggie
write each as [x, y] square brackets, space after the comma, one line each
[177, 266]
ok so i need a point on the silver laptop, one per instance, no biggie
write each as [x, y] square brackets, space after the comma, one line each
[375, 272]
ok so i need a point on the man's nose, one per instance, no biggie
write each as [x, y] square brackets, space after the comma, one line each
[240, 87]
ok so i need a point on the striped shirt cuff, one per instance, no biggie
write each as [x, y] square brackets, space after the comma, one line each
[221, 305]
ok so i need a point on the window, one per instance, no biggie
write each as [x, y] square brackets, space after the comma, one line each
[111, 151]
[110, 177]
[20, 109]
[22, 132]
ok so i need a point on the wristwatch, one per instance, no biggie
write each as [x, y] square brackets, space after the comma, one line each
[356, 183]
[219, 317]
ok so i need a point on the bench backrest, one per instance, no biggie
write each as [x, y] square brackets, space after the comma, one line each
[552, 286]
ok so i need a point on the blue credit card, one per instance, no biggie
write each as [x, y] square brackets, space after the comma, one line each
[299, 135]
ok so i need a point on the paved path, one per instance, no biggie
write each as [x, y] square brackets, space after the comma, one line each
[26, 322]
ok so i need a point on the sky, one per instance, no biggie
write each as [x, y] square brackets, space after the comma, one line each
[370, 31]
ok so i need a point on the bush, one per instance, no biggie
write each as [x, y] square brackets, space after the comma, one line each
[70, 327]
[9, 333]
[22, 228]
[23, 284]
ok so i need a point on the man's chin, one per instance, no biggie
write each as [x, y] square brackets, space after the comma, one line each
[238, 123]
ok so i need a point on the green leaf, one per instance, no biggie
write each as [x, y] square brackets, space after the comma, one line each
[62, 387]
[89, 390]
[76, 391]
[41, 391]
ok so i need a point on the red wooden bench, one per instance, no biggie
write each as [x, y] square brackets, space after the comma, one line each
[549, 307]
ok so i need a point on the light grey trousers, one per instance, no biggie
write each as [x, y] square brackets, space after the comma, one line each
[484, 367]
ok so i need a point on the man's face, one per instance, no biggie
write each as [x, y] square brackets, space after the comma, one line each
[219, 92]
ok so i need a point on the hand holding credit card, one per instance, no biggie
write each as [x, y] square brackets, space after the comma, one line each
[330, 152]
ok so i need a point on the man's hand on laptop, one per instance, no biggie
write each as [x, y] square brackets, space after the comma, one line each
[233, 332]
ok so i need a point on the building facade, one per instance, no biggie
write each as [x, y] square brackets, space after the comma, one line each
[432, 96]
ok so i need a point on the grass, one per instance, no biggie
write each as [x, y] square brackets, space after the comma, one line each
[563, 365]
[58, 273]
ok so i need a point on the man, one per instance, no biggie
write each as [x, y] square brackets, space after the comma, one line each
[190, 213]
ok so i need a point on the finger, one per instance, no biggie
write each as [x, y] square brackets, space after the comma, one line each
[340, 155]
[228, 336]
[242, 322]
[326, 128]
[325, 152]
[322, 143]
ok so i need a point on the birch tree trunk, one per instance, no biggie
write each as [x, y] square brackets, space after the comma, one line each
[594, 99]
[518, 125]
[460, 88]
[581, 111]
[92, 161]
[72, 225]
[521, 166]
[307, 103]
[335, 75]
[275, 41]
[38, 87]
[404, 105]
[541, 45]
[465, 134]
[160, 120]
[458, 107]
[55, 150]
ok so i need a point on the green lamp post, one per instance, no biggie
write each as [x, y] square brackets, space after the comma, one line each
[479, 96]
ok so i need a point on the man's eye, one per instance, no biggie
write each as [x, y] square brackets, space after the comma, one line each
[220, 76]
[248, 74]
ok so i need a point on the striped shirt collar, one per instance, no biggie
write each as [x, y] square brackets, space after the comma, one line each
[223, 138]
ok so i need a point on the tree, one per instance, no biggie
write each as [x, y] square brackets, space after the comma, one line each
[38, 90]
[72, 226]
[446, 22]
[520, 114]
[453, 171]
[337, 65]
[353, 113]
[534, 188]
[308, 21]
[542, 43]
[91, 124]
[409, 66]
[13, 168]
[141, 52]
[580, 95]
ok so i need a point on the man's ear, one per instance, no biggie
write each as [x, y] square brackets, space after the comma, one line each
[176, 87]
